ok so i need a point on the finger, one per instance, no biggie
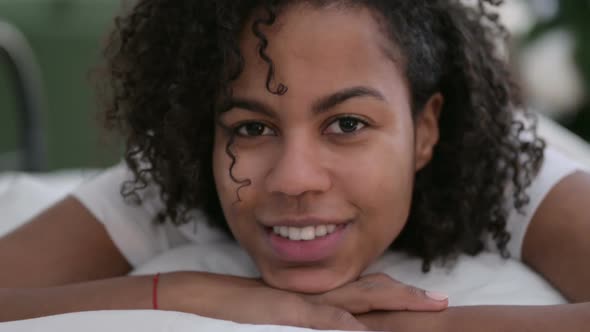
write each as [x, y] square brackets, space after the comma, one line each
[324, 317]
[380, 292]
[416, 299]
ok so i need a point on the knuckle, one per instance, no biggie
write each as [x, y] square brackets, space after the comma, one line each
[368, 284]
[374, 281]
[414, 292]
[341, 316]
[382, 277]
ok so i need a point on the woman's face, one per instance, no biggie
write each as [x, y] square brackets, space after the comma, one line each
[332, 161]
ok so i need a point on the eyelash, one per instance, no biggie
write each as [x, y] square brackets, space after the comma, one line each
[236, 129]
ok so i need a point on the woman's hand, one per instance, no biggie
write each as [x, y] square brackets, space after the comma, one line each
[251, 301]
[248, 301]
[379, 292]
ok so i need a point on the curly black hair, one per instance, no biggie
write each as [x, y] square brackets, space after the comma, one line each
[170, 64]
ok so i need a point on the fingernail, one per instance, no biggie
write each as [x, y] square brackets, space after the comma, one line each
[437, 296]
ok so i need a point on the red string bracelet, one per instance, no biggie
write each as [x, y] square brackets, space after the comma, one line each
[155, 291]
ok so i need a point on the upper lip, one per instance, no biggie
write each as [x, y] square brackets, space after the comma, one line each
[304, 221]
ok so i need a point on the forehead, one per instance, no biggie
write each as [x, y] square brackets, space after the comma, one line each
[319, 50]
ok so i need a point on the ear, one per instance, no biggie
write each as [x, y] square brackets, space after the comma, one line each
[427, 130]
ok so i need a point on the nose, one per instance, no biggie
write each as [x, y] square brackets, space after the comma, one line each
[298, 170]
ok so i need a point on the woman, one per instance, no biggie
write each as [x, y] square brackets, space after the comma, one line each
[320, 133]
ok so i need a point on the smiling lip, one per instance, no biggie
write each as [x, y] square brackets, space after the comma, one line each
[302, 222]
[307, 251]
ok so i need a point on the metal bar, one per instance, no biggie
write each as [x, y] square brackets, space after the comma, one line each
[16, 52]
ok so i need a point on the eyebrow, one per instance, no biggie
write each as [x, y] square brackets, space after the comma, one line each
[322, 105]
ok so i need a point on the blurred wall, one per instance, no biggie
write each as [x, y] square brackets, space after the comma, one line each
[66, 36]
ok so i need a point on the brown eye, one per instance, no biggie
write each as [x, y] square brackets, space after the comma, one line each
[345, 125]
[253, 129]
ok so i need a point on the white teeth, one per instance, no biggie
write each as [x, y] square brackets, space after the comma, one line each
[294, 233]
[284, 231]
[304, 233]
[321, 230]
[308, 233]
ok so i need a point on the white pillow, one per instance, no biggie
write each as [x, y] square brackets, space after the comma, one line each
[484, 279]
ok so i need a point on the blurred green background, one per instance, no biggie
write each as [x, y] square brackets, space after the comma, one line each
[66, 38]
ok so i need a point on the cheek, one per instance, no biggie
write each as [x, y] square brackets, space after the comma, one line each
[391, 189]
[382, 187]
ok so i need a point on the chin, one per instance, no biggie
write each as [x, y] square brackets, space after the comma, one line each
[301, 280]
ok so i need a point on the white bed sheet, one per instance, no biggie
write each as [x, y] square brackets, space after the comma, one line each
[486, 279]
[135, 320]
